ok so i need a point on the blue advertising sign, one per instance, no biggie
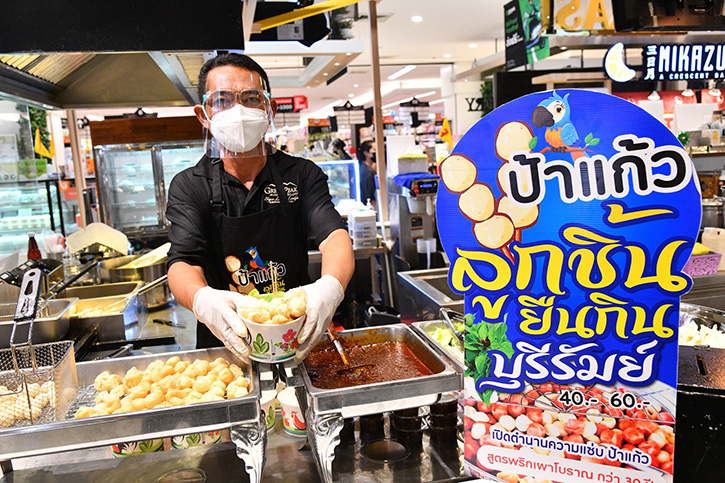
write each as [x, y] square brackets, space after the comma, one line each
[568, 217]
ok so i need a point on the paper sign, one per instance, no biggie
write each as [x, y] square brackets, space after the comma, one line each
[568, 217]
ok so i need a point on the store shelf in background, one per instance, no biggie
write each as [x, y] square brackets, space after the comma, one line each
[28, 206]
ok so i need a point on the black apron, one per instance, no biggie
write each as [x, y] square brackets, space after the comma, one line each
[247, 249]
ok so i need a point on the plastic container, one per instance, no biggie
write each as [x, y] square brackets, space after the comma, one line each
[714, 239]
[365, 243]
[701, 265]
[412, 163]
[361, 224]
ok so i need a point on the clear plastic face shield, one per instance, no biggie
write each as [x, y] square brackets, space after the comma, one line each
[237, 112]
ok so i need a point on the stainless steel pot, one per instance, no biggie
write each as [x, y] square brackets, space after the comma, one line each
[712, 213]
[110, 271]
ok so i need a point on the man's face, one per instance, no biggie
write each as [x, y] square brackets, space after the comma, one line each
[232, 78]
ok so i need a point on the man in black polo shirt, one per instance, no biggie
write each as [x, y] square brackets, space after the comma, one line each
[247, 210]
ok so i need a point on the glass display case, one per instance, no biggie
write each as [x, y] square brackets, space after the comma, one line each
[132, 181]
[343, 180]
[27, 206]
[69, 196]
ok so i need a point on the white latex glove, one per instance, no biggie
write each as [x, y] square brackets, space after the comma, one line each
[217, 309]
[323, 297]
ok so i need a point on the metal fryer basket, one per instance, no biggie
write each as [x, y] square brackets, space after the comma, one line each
[40, 392]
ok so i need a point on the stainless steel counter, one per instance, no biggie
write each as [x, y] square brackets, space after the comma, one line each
[422, 293]
[174, 313]
[708, 291]
[288, 460]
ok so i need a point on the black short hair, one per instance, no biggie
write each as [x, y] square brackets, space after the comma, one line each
[364, 148]
[230, 58]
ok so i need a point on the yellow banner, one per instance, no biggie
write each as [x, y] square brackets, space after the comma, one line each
[445, 133]
[39, 148]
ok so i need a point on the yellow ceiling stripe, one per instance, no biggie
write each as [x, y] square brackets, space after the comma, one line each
[304, 12]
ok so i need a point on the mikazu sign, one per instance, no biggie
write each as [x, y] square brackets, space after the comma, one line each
[683, 62]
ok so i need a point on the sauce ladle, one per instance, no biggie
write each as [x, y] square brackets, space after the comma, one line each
[332, 333]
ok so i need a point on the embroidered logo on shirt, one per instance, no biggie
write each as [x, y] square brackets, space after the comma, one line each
[271, 196]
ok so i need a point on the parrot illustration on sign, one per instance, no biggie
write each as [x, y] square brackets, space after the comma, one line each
[554, 113]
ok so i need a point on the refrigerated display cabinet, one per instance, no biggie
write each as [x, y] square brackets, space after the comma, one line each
[27, 206]
[132, 180]
[342, 179]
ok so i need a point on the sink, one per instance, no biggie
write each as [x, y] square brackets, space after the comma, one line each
[422, 293]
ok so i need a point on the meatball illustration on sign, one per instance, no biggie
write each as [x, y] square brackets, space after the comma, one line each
[495, 222]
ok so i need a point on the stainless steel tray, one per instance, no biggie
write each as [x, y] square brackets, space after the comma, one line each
[100, 291]
[422, 328]
[325, 409]
[50, 325]
[393, 395]
[111, 325]
[160, 296]
[71, 434]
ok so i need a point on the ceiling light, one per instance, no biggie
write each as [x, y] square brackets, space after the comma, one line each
[356, 85]
[472, 45]
[425, 94]
[325, 110]
[337, 63]
[325, 74]
[349, 54]
[654, 96]
[564, 47]
[688, 92]
[351, 95]
[437, 101]
[386, 106]
[401, 72]
[416, 18]
[447, 56]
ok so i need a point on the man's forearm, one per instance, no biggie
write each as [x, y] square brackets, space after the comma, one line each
[337, 256]
[184, 281]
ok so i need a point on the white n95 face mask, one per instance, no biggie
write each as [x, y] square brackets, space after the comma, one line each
[239, 129]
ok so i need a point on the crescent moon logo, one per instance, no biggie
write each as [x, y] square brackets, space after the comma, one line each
[614, 64]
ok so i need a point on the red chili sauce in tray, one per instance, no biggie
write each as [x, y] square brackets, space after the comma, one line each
[390, 361]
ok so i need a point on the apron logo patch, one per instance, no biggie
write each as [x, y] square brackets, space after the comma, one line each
[271, 197]
[255, 273]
